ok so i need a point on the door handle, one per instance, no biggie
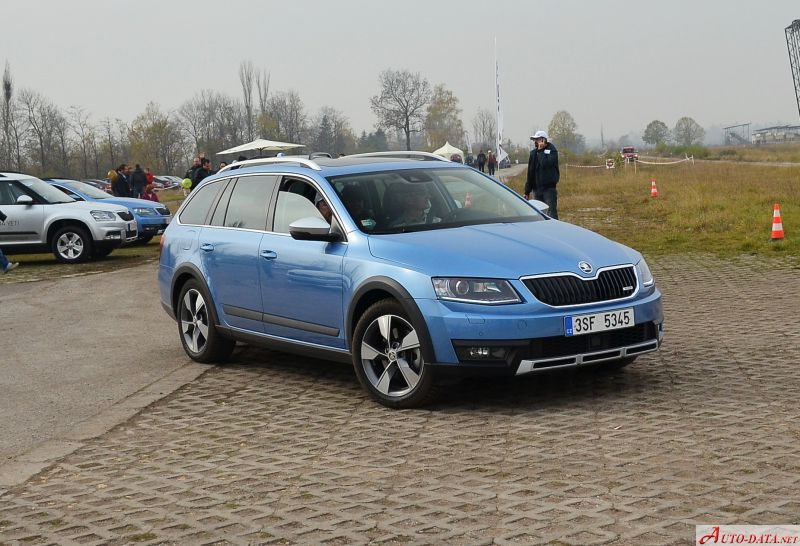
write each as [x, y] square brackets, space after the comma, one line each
[206, 247]
[269, 254]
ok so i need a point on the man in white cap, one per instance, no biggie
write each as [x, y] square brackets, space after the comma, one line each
[543, 173]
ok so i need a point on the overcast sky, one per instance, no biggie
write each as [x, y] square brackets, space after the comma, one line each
[619, 64]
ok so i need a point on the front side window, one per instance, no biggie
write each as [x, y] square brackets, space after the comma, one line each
[420, 199]
[200, 200]
[295, 201]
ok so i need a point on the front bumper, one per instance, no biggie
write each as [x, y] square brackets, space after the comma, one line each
[514, 340]
[113, 234]
[150, 227]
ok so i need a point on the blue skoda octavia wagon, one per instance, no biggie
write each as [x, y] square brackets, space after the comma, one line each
[410, 267]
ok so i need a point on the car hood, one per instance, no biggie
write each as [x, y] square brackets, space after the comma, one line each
[131, 202]
[505, 251]
[96, 205]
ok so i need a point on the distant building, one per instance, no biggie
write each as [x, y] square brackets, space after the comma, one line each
[776, 135]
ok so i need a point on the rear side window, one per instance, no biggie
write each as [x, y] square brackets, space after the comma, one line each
[247, 208]
[196, 210]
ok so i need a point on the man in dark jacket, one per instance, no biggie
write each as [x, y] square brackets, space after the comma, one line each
[138, 181]
[543, 173]
[481, 160]
[121, 187]
[202, 172]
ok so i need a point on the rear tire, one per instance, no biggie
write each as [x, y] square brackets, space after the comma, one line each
[71, 244]
[387, 357]
[199, 335]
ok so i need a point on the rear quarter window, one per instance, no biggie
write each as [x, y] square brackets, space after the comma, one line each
[200, 201]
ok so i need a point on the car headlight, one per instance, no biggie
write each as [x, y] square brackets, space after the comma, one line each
[485, 291]
[103, 215]
[645, 276]
[143, 211]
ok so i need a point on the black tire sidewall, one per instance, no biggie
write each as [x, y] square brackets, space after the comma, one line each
[87, 253]
[423, 391]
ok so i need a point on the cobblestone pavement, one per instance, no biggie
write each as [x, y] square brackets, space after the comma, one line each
[279, 450]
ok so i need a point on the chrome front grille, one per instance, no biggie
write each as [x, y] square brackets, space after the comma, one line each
[163, 211]
[563, 290]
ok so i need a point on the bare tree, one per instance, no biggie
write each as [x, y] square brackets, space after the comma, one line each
[402, 101]
[484, 125]
[287, 110]
[40, 115]
[8, 91]
[262, 84]
[108, 143]
[247, 76]
[84, 132]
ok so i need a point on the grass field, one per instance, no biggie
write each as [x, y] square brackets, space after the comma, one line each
[720, 208]
[723, 209]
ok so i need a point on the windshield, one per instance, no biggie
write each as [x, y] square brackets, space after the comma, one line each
[422, 199]
[628, 150]
[46, 191]
[87, 189]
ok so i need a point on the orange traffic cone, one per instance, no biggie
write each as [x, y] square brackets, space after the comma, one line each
[777, 225]
[653, 189]
[468, 201]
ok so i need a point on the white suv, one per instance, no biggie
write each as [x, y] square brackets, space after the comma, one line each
[40, 218]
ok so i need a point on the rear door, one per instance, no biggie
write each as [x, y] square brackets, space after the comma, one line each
[229, 250]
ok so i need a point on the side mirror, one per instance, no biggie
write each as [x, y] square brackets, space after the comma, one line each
[541, 206]
[25, 200]
[313, 228]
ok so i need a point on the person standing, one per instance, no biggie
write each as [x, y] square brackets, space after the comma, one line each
[190, 172]
[149, 174]
[202, 172]
[138, 182]
[543, 174]
[491, 163]
[5, 265]
[481, 160]
[120, 187]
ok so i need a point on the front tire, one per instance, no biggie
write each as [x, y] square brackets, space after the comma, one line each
[199, 335]
[71, 244]
[387, 357]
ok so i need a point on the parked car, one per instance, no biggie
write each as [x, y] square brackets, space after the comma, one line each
[151, 217]
[104, 185]
[424, 269]
[43, 219]
[166, 182]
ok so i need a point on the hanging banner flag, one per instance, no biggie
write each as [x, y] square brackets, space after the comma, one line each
[500, 152]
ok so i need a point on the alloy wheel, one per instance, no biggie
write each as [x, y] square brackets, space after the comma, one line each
[391, 356]
[70, 245]
[194, 320]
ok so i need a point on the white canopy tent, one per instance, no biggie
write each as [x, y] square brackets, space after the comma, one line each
[447, 150]
[261, 145]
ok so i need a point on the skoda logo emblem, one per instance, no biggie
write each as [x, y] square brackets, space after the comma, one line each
[586, 267]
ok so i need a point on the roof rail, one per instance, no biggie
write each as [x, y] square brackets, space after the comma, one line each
[267, 160]
[424, 156]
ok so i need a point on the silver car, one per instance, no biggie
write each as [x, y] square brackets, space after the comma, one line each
[40, 218]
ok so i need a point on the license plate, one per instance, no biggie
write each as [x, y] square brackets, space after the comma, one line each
[598, 322]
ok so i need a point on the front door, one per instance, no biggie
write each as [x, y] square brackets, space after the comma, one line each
[301, 281]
